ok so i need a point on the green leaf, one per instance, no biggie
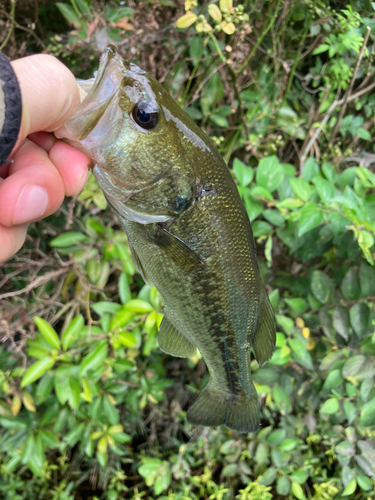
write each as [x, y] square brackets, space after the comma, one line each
[353, 365]
[124, 288]
[138, 306]
[299, 476]
[268, 477]
[310, 169]
[36, 370]
[329, 172]
[322, 287]
[106, 307]
[93, 360]
[350, 489]
[75, 390]
[325, 189]
[334, 378]
[128, 339]
[341, 321]
[72, 332]
[114, 15]
[367, 279]
[310, 218]
[243, 173]
[261, 228]
[359, 318]
[48, 332]
[364, 483]
[350, 285]
[363, 134]
[70, 15]
[288, 445]
[330, 406]
[273, 217]
[368, 413]
[302, 190]
[75, 434]
[297, 306]
[283, 486]
[281, 398]
[350, 411]
[298, 491]
[322, 48]
[270, 173]
[301, 354]
[68, 239]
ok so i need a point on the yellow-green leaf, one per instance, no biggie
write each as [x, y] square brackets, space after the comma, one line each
[28, 401]
[186, 20]
[48, 332]
[37, 369]
[138, 306]
[203, 27]
[228, 28]
[350, 489]
[102, 445]
[215, 13]
[226, 5]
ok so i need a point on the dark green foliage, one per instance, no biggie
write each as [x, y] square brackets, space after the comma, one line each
[89, 406]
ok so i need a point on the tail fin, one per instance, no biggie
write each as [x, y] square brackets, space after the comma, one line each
[213, 408]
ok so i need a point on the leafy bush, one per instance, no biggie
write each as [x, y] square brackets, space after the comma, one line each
[88, 403]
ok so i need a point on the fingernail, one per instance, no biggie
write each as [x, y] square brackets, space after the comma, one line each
[31, 204]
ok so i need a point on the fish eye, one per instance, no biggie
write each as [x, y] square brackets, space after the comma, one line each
[146, 114]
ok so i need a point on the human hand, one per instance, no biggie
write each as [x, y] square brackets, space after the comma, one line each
[44, 169]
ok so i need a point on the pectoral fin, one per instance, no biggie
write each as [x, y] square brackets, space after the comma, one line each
[139, 266]
[173, 342]
[265, 337]
[176, 250]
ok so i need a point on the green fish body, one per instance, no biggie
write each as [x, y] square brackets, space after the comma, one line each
[188, 230]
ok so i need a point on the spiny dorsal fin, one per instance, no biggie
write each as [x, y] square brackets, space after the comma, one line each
[265, 337]
[173, 342]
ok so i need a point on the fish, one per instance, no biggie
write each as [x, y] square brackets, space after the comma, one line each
[188, 231]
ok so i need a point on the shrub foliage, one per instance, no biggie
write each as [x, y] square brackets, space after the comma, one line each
[89, 406]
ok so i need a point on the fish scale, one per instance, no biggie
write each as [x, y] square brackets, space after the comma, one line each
[188, 230]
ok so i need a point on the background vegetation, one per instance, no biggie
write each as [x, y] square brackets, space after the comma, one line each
[89, 406]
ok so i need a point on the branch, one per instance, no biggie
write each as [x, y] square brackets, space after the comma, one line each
[331, 109]
[349, 91]
[37, 282]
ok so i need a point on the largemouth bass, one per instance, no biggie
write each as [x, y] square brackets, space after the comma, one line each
[188, 230]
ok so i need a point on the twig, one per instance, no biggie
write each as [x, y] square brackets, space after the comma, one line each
[351, 85]
[37, 282]
[12, 16]
[326, 118]
[201, 85]
[259, 41]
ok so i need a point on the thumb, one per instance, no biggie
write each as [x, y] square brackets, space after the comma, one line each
[49, 93]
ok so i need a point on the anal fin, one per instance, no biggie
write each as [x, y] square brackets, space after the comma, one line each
[265, 337]
[173, 342]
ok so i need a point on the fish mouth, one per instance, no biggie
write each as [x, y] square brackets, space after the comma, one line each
[118, 197]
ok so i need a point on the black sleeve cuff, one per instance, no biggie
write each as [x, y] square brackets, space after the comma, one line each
[10, 108]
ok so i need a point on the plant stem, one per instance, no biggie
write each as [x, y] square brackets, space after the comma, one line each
[12, 14]
[259, 41]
